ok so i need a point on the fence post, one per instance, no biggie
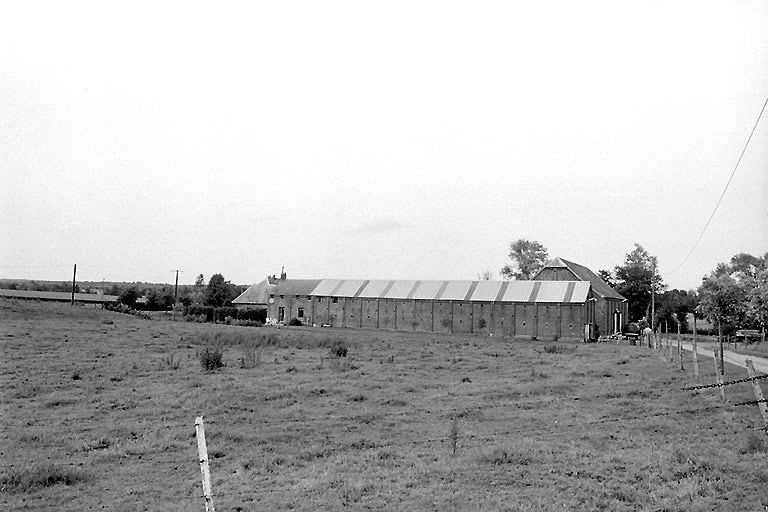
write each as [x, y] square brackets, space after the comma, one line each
[718, 375]
[669, 341]
[679, 347]
[758, 394]
[202, 451]
[695, 354]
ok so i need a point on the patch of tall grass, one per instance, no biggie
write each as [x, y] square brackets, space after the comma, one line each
[275, 339]
[36, 477]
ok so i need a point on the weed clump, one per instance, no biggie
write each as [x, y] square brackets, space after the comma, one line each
[339, 349]
[49, 475]
[501, 456]
[251, 356]
[211, 358]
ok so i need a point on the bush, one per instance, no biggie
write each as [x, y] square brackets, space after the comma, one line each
[339, 348]
[253, 317]
[211, 359]
[295, 322]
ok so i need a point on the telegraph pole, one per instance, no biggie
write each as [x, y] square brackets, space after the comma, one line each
[74, 275]
[176, 288]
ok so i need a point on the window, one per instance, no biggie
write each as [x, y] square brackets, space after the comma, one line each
[281, 314]
[300, 313]
[335, 300]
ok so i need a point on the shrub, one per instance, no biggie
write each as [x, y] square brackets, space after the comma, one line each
[339, 348]
[211, 359]
[295, 322]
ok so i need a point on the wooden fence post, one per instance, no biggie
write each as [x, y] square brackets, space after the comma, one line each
[758, 394]
[718, 375]
[695, 353]
[679, 347]
[202, 450]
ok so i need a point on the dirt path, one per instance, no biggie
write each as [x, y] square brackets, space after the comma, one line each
[760, 363]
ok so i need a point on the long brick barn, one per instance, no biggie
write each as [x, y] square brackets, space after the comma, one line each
[557, 304]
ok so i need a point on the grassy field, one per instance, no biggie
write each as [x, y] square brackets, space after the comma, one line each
[98, 411]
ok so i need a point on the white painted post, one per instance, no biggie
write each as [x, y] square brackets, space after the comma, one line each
[758, 394]
[202, 450]
[679, 346]
[695, 353]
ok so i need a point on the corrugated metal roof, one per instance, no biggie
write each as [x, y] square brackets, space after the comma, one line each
[476, 291]
[348, 288]
[295, 286]
[486, 291]
[552, 291]
[456, 290]
[427, 290]
[325, 287]
[581, 292]
[399, 289]
[374, 289]
[518, 291]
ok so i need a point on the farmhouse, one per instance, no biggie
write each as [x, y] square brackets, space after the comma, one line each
[543, 308]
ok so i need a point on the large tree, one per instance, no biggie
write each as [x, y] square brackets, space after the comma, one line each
[673, 306]
[757, 299]
[721, 300]
[636, 278]
[528, 257]
[219, 292]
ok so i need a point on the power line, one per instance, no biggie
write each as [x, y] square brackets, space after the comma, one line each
[712, 215]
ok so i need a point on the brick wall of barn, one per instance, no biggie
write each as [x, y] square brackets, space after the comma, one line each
[546, 321]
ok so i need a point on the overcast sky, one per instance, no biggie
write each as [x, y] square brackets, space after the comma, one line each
[377, 140]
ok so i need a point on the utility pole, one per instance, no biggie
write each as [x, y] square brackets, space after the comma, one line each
[653, 297]
[74, 275]
[176, 288]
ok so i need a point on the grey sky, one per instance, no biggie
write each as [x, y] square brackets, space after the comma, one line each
[388, 140]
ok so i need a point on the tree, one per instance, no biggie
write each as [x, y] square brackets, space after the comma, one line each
[200, 281]
[160, 300]
[636, 278]
[485, 275]
[219, 292]
[757, 300]
[129, 296]
[673, 306]
[607, 276]
[528, 257]
[720, 301]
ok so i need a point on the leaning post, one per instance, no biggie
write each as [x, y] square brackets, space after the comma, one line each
[758, 393]
[202, 451]
[718, 375]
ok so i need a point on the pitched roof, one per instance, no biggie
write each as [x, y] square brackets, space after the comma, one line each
[259, 293]
[599, 286]
[476, 291]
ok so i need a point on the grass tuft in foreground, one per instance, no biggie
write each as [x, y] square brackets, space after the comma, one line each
[36, 477]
